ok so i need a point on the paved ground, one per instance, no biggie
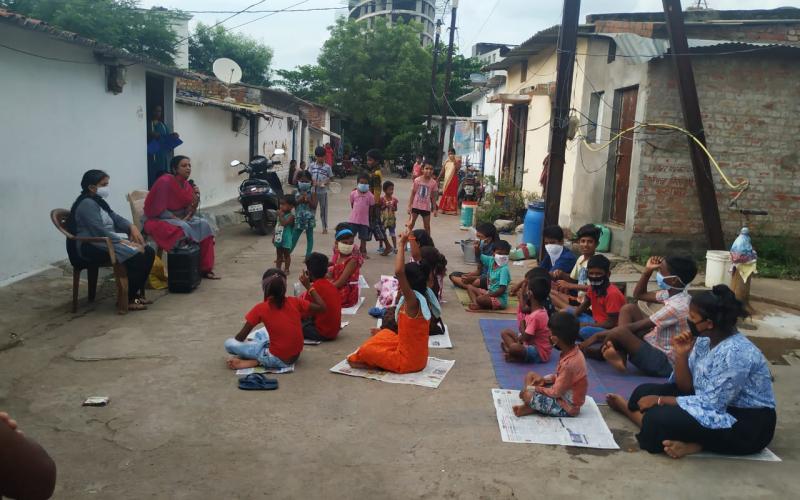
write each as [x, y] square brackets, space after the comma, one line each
[178, 428]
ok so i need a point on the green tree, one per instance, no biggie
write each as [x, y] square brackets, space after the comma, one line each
[462, 67]
[208, 44]
[119, 23]
[306, 81]
[376, 77]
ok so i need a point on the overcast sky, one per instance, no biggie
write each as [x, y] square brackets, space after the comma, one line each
[296, 37]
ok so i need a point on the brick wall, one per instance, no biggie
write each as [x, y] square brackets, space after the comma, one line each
[644, 29]
[788, 32]
[751, 113]
[216, 89]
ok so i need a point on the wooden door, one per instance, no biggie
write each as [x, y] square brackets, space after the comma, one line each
[519, 122]
[622, 171]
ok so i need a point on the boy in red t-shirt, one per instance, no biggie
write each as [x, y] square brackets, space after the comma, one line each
[603, 297]
[281, 316]
[323, 326]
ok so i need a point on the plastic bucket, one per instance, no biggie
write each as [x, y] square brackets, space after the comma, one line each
[534, 223]
[718, 268]
[468, 213]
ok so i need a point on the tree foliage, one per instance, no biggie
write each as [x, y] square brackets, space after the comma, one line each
[208, 44]
[118, 23]
[462, 67]
[306, 81]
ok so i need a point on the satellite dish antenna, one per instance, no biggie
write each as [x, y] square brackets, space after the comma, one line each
[227, 70]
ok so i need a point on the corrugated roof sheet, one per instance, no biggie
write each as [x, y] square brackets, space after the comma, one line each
[193, 99]
[28, 23]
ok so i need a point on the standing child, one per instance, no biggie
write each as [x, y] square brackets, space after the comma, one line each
[305, 220]
[361, 202]
[416, 170]
[281, 316]
[284, 232]
[496, 296]
[374, 162]
[407, 350]
[388, 207]
[605, 299]
[423, 198]
[532, 344]
[578, 280]
[561, 394]
[345, 266]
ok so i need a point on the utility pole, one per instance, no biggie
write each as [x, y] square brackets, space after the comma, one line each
[433, 72]
[694, 124]
[567, 43]
[447, 74]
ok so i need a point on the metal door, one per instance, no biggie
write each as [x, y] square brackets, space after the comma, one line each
[624, 150]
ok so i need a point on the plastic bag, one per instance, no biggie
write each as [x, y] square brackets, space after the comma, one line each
[742, 250]
[158, 277]
[523, 251]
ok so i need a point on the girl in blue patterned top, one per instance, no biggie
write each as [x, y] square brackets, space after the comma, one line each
[720, 396]
[304, 220]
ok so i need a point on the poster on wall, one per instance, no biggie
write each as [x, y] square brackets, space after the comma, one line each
[463, 136]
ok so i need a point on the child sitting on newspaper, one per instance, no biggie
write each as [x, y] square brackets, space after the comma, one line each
[531, 343]
[561, 394]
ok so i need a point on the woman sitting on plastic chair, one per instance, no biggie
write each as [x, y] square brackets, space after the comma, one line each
[170, 209]
[91, 216]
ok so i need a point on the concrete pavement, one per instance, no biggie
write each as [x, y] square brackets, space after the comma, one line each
[177, 426]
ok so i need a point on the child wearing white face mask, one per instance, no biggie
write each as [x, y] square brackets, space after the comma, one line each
[361, 203]
[346, 264]
[557, 257]
[496, 296]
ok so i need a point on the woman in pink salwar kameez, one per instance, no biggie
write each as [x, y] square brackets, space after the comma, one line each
[170, 209]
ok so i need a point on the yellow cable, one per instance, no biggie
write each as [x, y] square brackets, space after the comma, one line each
[741, 187]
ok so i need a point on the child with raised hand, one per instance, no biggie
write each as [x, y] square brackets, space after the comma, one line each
[423, 198]
[284, 232]
[575, 284]
[495, 297]
[323, 326]
[561, 394]
[532, 343]
[281, 315]
[305, 220]
[361, 202]
[388, 207]
[346, 264]
[407, 350]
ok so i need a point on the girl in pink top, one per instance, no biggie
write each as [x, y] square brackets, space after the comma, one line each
[423, 198]
[561, 394]
[532, 343]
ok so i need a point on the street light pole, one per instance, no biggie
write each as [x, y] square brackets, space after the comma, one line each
[433, 72]
[448, 73]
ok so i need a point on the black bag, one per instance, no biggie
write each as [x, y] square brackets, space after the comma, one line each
[183, 268]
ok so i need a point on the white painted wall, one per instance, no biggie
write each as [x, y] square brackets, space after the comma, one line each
[211, 143]
[59, 121]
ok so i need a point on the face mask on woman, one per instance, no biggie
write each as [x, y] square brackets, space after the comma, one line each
[303, 186]
[344, 248]
[363, 188]
[103, 191]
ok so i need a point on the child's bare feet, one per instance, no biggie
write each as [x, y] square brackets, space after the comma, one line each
[237, 363]
[358, 365]
[617, 403]
[679, 449]
[613, 357]
[474, 307]
[522, 410]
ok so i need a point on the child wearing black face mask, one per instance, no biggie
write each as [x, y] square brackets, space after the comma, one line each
[603, 297]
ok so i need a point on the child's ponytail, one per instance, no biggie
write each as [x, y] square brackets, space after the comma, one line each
[273, 282]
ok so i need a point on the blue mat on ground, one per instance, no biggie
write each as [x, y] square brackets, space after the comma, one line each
[602, 377]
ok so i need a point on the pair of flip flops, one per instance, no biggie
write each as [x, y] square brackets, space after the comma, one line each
[257, 382]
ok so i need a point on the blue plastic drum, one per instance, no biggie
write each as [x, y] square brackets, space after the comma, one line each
[534, 223]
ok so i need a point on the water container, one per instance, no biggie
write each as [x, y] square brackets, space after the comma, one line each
[604, 245]
[468, 213]
[534, 223]
[718, 268]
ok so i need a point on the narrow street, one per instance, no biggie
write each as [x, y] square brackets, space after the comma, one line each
[177, 426]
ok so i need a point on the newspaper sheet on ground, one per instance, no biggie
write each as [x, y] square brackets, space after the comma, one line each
[353, 309]
[431, 376]
[765, 455]
[260, 369]
[587, 430]
[435, 341]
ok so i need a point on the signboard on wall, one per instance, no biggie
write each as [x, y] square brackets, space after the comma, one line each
[468, 141]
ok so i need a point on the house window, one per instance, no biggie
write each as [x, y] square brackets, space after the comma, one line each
[612, 51]
[523, 74]
[594, 130]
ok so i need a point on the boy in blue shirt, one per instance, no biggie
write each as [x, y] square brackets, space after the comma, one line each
[496, 297]
[557, 257]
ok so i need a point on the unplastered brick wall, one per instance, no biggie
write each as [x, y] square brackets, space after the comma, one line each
[215, 89]
[784, 32]
[751, 113]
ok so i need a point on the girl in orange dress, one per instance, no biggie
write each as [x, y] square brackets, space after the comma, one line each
[407, 350]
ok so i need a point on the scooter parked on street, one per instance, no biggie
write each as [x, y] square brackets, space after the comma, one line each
[471, 188]
[260, 193]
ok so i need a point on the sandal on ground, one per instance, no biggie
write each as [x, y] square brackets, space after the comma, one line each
[257, 382]
[144, 300]
[136, 305]
[211, 276]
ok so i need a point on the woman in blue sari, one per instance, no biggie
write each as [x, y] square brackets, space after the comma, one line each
[160, 141]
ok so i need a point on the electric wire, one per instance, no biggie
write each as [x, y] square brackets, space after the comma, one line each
[266, 16]
[220, 22]
[274, 11]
